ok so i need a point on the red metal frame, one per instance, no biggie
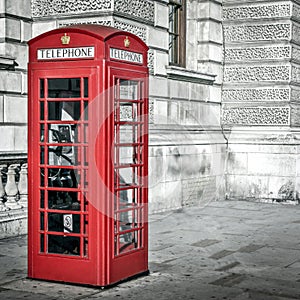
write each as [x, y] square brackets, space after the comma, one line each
[80, 229]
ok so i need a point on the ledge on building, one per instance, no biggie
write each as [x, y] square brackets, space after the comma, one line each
[13, 223]
[182, 74]
[7, 62]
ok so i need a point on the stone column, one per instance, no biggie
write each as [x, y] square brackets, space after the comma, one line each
[2, 192]
[23, 186]
[11, 188]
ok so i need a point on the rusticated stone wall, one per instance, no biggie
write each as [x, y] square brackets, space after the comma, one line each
[260, 98]
[258, 69]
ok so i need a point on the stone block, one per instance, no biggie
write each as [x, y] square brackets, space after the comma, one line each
[10, 81]
[15, 109]
[158, 87]
[211, 67]
[157, 167]
[191, 10]
[173, 112]
[173, 164]
[198, 92]
[218, 166]
[237, 163]
[42, 27]
[251, 147]
[1, 109]
[161, 112]
[243, 187]
[173, 194]
[281, 187]
[20, 142]
[237, 187]
[271, 164]
[209, 30]
[191, 45]
[208, 9]
[7, 134]
[2, 29]
[202, 9]
[298, 165]
[18, 8]
[158, 38]
[26, 31]
[178, 89]
[161, 60]
[2, 6]
[24, 84]
[13, 29]
[215, 93]
[161, 15]
[20, 52]
[210, 52]
[165, 196]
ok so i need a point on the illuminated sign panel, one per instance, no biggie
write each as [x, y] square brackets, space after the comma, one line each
[129, 56]
[65, 53]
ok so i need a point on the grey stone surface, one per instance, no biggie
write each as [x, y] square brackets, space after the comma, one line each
[227, 250]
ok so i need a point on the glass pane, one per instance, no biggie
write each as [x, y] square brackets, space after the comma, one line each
[86, 87]
[127, 242]
[64, 110]
[42, 177]
[42, 223]
[59, 177]
[63, 155]
[63, 244]
[128, 176]
[61, 133]
[42, 128]
[128, 112]
[42, 111]
[42, 155]
[67, 223]
[63, 200]
[128, 133]
[42, 239]
[86, 111]
[128, 89]
[42, 88]
[42, 199]
[64, 88]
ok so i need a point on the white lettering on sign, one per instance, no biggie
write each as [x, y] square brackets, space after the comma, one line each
[126, 55]
[63, 53]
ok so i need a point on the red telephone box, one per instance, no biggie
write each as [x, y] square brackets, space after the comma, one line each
[87, 155]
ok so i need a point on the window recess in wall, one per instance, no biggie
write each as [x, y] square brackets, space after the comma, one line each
[177, 32]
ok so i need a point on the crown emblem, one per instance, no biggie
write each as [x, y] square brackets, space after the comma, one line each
[65, 39]
[126, 42]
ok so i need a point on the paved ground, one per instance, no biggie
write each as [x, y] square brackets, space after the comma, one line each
[227, 250]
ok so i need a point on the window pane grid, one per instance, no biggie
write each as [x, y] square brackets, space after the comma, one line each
[64, 223]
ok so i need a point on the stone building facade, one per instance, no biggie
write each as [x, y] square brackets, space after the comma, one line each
[223, 125]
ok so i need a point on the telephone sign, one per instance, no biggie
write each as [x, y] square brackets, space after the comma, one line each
[88, 156]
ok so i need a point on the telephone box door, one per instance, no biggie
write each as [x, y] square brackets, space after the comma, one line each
[130, 163]
[62, 225]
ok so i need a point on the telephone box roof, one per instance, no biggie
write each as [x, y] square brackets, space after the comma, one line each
[100, 32]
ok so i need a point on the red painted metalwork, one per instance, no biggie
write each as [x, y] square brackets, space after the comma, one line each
[88, 156]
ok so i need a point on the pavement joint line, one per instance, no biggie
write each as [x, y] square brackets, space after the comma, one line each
[228, 267]
[221, 254]
[288, 265]
[229, 280]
